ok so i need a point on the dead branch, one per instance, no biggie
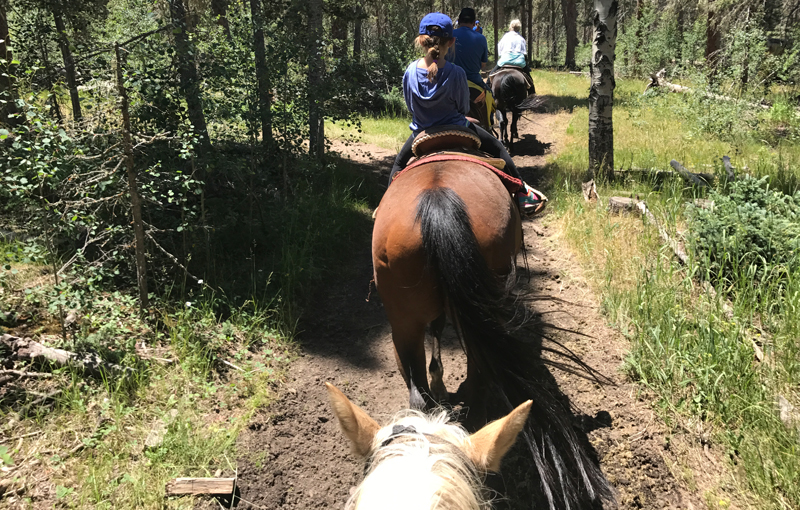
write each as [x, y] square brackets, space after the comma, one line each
[657, 80]
[174, 259]
[620, 204]
[30, 350]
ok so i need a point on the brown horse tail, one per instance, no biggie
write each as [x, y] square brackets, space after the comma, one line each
[481, 306]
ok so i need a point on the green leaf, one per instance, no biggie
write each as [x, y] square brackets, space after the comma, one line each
[3, 134]
[62, 492]
[5, 458]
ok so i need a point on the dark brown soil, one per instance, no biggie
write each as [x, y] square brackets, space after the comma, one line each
[294, 457]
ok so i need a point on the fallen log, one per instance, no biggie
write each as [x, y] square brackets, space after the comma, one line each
[702, 180]
[657, 80]
[215, 486]
[622, 204]
[30, 350]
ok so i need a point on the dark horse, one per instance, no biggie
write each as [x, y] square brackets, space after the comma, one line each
[444, 245]
[510, 90]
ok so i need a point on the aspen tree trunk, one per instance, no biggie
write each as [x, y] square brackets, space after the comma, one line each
[136, 201]
[8, 96]
[262, 75]
[601, 93]
[570, 13]
[187, 70]
[69, 62]
[316, 122]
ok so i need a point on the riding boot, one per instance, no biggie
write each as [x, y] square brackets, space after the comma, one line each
[527, 72]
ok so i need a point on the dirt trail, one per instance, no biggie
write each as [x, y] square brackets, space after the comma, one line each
[294, 457]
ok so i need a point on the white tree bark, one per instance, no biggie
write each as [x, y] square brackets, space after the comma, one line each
[601, 94]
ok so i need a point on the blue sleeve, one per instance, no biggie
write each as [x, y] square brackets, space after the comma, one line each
[407, 91]
[485, 56]
[461, 92]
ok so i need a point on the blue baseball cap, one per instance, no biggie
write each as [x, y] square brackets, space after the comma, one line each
[436, 24]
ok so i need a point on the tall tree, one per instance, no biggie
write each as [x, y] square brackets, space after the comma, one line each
[219, 8]
[8, 96]
[713, 35]
[262, 74]
[188, 74]
[569, 12]
[69, 62]
[316, 122]
[601, 93]
[552, 32]
[529, 29]
[357, 35]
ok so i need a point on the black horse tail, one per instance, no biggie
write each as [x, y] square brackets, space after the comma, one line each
[480, 306]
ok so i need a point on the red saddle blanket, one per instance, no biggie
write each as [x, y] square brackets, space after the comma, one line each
[512, 184]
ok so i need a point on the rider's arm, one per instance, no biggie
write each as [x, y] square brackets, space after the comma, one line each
[461, 92]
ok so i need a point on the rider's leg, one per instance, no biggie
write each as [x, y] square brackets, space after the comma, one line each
[402, 158]
[530, 200]
[494, 147]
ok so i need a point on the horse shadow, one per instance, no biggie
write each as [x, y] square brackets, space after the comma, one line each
[529, 145]
[518, 485]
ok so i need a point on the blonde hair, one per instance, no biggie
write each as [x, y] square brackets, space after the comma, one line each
[441, 475]
[515, 25]
[430, 44]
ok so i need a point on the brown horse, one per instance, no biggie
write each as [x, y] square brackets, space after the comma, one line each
[444, 245]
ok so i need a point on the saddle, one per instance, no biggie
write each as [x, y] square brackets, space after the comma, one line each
[456, 143]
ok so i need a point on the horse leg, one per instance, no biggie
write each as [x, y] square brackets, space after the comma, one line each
[409, 350]
[514, 119]
[436, 368]
[503, 127]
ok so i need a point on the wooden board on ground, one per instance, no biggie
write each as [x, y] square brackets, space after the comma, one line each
[218, 486]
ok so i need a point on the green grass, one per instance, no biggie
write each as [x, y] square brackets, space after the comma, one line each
[689, 347]
[384, 131]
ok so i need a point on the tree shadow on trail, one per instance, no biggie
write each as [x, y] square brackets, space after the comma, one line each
[554, 104]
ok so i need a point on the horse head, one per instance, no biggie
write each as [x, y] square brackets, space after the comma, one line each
[423, 460]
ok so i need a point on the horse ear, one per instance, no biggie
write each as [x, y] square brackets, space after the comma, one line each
[493, 441]
[356, 424]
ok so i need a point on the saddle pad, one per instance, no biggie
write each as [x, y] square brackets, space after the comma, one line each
[512, 184]
[506, 69]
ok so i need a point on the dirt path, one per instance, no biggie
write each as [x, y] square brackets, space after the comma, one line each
[294, 457]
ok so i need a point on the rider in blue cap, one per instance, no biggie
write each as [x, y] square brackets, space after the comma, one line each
[437, 94]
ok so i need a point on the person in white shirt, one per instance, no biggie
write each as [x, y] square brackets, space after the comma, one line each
[512, 50]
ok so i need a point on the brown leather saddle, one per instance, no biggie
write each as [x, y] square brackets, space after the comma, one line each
[456, 143]
[453, 140]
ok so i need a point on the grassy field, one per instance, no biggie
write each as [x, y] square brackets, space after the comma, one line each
[692, 347]
[692, 329]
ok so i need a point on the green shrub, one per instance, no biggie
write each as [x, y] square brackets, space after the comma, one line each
[752, 231]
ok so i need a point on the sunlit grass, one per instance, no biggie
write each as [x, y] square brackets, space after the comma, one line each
[689, 347]
[386, 131]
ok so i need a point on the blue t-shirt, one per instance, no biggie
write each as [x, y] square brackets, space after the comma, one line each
[445, 101]
[469, 52]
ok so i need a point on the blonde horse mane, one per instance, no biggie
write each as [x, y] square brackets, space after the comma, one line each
[424, 467]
